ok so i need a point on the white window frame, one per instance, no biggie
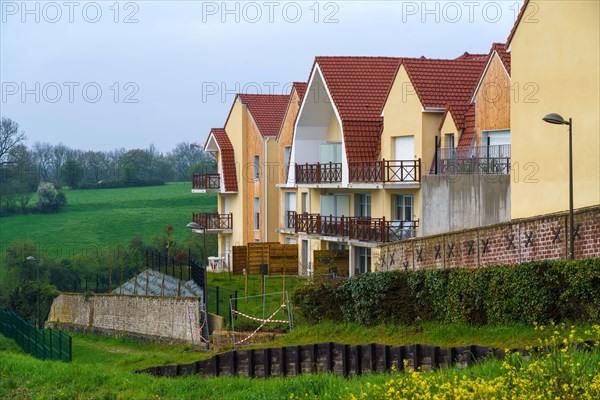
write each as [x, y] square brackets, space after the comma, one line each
[400, 203]
[257, 213]
[256, 167]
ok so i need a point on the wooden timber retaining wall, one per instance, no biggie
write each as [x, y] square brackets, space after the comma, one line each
[342, 359]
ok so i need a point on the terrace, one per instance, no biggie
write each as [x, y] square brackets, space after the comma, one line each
[203, 183]
[366, 229]
[482, 160]
[214, 222]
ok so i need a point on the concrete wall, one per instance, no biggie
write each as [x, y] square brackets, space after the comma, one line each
[149, 317]
[543, 237]
[452, 203]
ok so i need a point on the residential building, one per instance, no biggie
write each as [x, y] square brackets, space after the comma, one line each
[247, 161]
[365, 131]
[555, 69]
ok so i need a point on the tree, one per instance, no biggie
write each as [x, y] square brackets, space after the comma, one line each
[9, 136]
[71, 173]
[97, 165]
[24, 180]
[49, 198]
[188, 158]
[135, 165]
[43, 155]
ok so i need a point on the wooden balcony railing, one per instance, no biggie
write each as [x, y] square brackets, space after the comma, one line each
[319, 173]
[206, 181]
[381, 230]
[385, 171]
[213, 221]
[291, 220]
[357, 228]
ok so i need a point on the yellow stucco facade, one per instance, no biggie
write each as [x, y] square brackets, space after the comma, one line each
[555, 69]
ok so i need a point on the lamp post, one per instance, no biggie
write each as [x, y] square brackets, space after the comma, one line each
[37, 279]
[556, 119]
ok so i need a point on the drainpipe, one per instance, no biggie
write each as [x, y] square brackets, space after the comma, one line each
[265, 180]
[435, 158]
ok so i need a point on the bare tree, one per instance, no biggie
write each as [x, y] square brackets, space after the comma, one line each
[43, 154]
[9, 136]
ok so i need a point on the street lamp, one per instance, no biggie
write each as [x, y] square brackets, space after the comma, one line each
[37, 265]
[556, 119]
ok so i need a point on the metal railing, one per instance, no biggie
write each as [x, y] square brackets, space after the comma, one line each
[319, 173]
[385, 171]
[355, 228]
[206, 181]
[183, 268]
[213, 221]
[45, 344]
[482, 160]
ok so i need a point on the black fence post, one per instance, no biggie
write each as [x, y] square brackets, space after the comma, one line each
[217, 298]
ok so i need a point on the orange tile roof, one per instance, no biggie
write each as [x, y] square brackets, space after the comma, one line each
[359, 87]
[517, 22]
[466, 138]
[442, 82]
[227, 158]
[300, 89]
[267, 110]
[500, 49]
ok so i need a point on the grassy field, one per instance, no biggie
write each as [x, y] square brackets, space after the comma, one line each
[108, 217]
[103, 368]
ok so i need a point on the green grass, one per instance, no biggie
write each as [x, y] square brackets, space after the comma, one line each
[229, 284]
[453, 335]
[108, 217]
[103, 368]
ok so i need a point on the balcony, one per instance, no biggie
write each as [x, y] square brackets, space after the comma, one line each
[213, 222]
[203, 183]
[365, 229]
[385, 171]
[483, 160]
[318, 173]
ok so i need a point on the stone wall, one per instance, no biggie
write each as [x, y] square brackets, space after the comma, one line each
[529, 239]
[161, 318]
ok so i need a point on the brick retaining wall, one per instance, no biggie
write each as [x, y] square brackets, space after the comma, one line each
[524, 240]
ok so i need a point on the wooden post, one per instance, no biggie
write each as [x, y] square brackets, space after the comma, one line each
[135, 284]
[147, 280]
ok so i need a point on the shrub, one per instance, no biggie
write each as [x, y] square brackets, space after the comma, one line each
[318, 301]
[123, 184]
[532, 292]
[50, 199]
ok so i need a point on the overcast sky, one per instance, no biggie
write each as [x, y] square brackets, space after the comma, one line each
[101, 75]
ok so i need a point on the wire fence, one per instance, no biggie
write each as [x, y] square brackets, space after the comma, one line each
[253, 314]
[218, 300]
[45, 344]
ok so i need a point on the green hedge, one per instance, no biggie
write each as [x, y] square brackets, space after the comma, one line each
[537, 291]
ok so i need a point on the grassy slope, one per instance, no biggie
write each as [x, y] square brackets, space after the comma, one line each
[103, 368]
[108, 217]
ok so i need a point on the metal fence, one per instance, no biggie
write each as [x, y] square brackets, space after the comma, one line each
[218, 300]
[45, 344]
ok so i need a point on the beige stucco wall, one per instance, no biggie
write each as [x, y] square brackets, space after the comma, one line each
[402, 115]
[236, 130]
[334, 130]
[555, 64]
[449, 127]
